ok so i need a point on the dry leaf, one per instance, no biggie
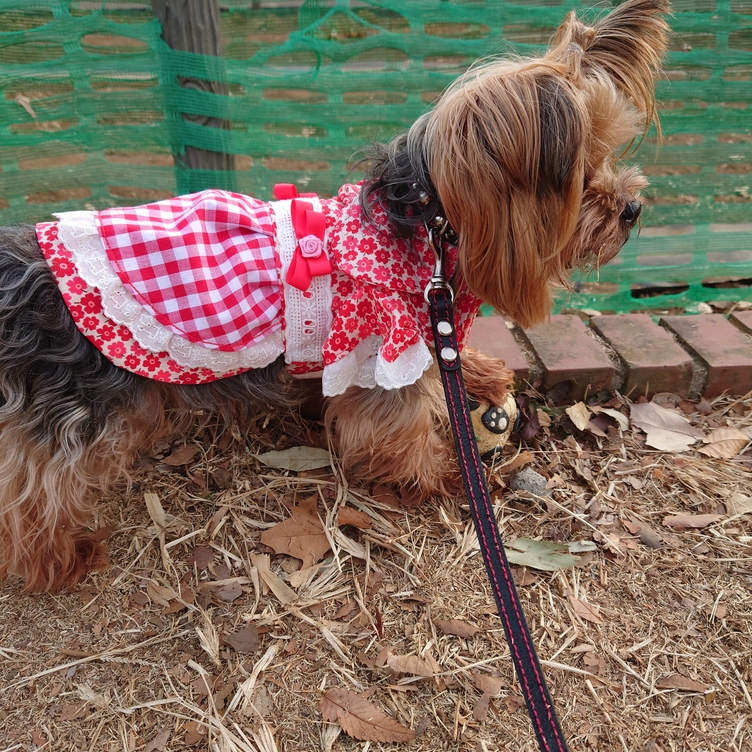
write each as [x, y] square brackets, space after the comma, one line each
[345, 610]
[617, 415]
[456, 627]
[522, 459]
[385, 494]
[361, 719]
[480, 711]
[354, 517]
[227, 590]
[691, 521]
[718, 611]
[579, 414]
[283, 592]
[202, 556]
[411, 664]
[665, 429]
[489, 685]
[644, 532]
[301, 535]
[585, 611]
[296, 579]
[544, 555]
[514, 703]
[181, 456]
[155, 509]
[71, 711]
[724, 443]
[677, 681]
[217, 519]
[296, 458]
[159, 742]
[222, 478]
[739, 503]
[594, 663]
[245, 640]
[160, 595]
[523, 577]
[599, 426]
[194, 733]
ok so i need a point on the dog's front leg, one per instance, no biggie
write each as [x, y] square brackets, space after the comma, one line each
[396, 436]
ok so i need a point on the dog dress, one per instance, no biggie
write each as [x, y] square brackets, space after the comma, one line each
[209, 285]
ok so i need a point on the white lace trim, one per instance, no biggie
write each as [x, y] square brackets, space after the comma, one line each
[308, 314]
[365, 367]
[78, 231]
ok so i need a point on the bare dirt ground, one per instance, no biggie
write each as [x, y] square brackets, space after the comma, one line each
[199, 636]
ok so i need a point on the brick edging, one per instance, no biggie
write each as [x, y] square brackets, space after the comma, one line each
[692, 355]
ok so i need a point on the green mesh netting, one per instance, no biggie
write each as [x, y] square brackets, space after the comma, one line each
[93, 112]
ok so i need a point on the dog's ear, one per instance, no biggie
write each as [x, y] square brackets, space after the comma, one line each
[505, 152]
[627, 45]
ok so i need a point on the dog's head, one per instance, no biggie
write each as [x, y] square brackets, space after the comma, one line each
[520, 156]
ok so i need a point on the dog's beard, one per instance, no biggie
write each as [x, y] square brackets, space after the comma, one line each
[605, 222]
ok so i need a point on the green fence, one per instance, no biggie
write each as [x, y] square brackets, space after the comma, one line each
[95, 107]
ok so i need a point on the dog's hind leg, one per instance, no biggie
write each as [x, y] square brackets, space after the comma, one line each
[49, 480]
[70, 422]
[45, 503]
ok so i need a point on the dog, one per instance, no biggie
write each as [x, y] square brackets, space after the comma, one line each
[99, 359]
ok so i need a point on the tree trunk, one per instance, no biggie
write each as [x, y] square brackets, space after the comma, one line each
[194, 26]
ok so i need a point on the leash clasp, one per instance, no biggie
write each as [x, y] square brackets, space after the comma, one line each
[438, 278]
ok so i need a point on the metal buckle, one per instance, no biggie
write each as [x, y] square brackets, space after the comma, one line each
[438, 278]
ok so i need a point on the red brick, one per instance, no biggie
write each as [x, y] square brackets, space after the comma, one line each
[653, 360]
[491, 336]
[568, 352]
[725, 352]
[743, 320]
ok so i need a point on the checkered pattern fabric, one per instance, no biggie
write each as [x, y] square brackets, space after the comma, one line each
[204, 265]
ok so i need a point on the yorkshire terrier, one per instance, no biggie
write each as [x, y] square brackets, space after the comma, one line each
[113, 335]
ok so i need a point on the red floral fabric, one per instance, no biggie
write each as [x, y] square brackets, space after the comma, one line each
[379, 282]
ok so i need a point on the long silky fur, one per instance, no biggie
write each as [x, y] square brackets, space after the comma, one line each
[506, 151]
[404, 433]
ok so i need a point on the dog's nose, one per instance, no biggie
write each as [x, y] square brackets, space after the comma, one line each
[631, 212]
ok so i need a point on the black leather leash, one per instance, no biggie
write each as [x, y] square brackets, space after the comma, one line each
[439, 295]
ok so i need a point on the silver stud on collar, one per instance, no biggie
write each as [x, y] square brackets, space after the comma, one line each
[423, 198]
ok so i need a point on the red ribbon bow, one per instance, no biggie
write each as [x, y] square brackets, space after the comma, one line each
[309, 259]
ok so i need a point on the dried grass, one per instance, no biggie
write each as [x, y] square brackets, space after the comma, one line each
[135, 660]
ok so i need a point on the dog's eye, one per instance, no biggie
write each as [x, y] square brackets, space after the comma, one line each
[631, 212]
